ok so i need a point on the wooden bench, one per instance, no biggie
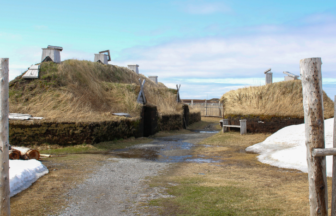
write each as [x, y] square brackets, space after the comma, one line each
[224, 123]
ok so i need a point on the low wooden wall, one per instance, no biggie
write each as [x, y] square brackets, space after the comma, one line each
[69, 133]
[263, 124]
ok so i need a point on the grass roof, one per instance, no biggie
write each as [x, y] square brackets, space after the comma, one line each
[85, 91]
[277, 99]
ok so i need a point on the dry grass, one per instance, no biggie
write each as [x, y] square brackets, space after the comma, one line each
[238, 185]
[279, 99]
[206, 123]
[48, 195]
[86, 91]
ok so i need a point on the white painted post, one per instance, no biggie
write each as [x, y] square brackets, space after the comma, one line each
[154, 79]
[269, 78]
[103, 58]
[333, 193]
[134, 67]
[310, 69]
[192, 103]
[54, 52]
[243, 128]
[4, 143]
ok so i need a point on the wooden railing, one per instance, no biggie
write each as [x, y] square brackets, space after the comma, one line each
[207, 109]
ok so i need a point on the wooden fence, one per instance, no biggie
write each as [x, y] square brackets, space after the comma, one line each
[207, 109]
[311, 76]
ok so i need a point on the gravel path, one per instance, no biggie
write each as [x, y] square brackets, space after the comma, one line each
[120, 182]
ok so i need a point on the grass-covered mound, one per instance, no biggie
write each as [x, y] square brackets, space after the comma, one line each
[277, 99]
[86, 91]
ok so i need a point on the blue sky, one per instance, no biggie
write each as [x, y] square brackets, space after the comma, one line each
[210, 47]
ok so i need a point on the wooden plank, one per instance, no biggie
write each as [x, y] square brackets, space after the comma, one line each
[310, 69]
[322, 152]
[4, 142]
[333, 193]
[234, 126]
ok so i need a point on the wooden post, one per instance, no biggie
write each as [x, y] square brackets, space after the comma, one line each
[225, 122]
[243, 128]
[206, 108]
[310, 69]
[4, 143]
[223, 114]
[333, 193]
[192, 103]
[219, 109]
[178, 99]
[141, 97]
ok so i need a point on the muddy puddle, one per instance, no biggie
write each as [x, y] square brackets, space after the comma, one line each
[205, 131]
[163, 150]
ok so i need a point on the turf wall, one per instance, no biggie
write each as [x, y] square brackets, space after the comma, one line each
[69, 133]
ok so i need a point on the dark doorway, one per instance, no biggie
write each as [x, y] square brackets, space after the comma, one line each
[185, 116]
[150, 120]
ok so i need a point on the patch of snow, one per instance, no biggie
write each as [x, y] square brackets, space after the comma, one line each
[23, 173]
[286, 148]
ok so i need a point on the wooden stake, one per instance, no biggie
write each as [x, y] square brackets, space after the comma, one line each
[310, 69]
[178, 99]
[223, 130]
[141, 97]
[333, 193]
[4, 144]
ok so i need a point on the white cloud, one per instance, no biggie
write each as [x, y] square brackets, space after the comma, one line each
[239, 56]
[239, 59]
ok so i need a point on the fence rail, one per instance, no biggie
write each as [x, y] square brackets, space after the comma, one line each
[207, 109]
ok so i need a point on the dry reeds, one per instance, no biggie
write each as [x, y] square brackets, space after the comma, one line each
[85, 91]
[277, 99]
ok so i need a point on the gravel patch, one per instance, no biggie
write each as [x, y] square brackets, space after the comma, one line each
[120, 185]
[113, 189]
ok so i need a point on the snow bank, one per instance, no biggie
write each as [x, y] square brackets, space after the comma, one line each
[286, 148]
[23, 173]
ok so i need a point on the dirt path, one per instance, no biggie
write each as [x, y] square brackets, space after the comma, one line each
[120, 184]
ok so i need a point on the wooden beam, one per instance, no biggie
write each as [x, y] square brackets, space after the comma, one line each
[4, 135]
[322, 152]
[333, 193]
[310, 69]
[141, 97]
[233, 126]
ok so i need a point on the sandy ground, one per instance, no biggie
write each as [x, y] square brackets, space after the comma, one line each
[120, 185]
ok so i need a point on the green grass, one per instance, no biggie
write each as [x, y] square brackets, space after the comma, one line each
[193, 199]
